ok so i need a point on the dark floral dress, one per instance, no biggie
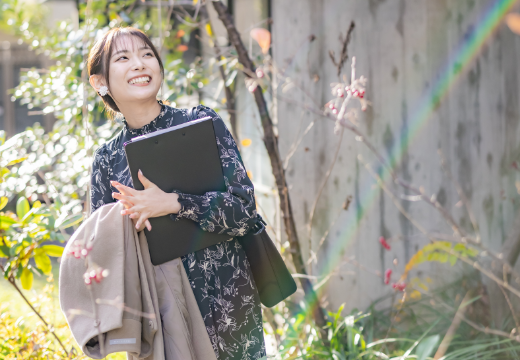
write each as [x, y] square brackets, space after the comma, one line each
[220, 275]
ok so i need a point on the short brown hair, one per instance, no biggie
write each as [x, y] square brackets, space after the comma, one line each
[98, 62]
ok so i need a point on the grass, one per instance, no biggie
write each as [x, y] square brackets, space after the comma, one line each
[44, 297]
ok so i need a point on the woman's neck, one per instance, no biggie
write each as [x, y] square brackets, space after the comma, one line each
[139, 114]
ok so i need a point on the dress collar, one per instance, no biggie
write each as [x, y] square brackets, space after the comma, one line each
[148, 128]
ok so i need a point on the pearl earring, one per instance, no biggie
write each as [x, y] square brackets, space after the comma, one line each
[103, 90]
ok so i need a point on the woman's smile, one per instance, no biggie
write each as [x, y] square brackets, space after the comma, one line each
[140, 80]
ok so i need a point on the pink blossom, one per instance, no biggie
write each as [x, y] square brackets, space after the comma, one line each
[388, 274]
[259, 73]
[383, 242]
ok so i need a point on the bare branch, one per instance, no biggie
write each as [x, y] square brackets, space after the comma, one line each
[515, 318]
[446, 341]
[485, 330]
[344, 55]
[50, 328]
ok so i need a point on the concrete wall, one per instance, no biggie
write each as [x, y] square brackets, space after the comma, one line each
[404, 47]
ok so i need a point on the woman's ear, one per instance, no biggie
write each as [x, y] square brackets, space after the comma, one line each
[96, 81]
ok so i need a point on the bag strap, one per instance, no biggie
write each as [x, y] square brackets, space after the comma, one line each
[192, 113]
[259, 226]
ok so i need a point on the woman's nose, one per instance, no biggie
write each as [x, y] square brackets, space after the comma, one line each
[138, 65]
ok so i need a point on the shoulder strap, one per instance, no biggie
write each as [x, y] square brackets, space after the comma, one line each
[192, 113]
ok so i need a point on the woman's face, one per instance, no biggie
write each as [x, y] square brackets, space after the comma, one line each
[134, 72]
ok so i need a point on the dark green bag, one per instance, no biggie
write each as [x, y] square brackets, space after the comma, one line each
[272, 278]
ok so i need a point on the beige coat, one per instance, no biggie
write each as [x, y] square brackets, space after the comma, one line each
[128, 306]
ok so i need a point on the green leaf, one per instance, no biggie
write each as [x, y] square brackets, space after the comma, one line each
[6, 222]
[43, 262]
[27, 279]
[53, 250]
[14, 250]
[66, 222]
[12, 162]
[443, 257]
[3, 171]
[409, 351]
[3, 202]
[19, 271]
[7, 270]
[426, 347]
[5, 250]
[460, 248]
[22, 207]
[29, 215]
[453, 260]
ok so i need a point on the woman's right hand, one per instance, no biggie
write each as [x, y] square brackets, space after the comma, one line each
[135, 216]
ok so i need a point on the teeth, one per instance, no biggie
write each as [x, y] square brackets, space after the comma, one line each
[140, 80]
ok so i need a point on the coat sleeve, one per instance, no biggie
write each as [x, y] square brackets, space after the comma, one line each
[100, 190]
[232, 212]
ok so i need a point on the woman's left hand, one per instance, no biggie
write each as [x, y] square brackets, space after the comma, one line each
[148, 203]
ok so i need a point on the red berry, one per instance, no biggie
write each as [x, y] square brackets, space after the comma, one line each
[399, 286]
[388, 274]
[383, 242]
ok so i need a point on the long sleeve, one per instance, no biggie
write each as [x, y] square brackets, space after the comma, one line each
[100, 190]
[232, 212]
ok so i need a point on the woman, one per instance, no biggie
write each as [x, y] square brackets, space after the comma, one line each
[126, 71]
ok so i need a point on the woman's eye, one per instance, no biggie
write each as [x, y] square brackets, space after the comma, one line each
[121, 58]
[151, 54]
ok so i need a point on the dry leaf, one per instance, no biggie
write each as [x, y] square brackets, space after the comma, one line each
[262, 37]
[513, 21]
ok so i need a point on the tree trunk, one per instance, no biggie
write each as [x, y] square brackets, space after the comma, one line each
[271, 144]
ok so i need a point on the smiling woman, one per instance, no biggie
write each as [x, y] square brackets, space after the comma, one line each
[126, 71]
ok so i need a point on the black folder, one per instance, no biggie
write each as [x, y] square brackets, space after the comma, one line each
[184, 158]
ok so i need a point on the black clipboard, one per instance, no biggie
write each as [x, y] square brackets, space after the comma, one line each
[184, 158]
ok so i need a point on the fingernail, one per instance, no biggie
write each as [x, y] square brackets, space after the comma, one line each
[140, 172]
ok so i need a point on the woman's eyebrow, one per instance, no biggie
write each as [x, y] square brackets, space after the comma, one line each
[126, 51]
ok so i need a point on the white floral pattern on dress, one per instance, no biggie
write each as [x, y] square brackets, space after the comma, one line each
[220, 275]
